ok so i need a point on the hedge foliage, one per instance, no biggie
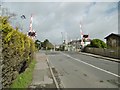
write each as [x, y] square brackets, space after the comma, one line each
[97, 43]
[17, 48]
[12, 38]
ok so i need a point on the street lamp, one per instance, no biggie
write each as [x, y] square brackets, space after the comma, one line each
[62, 36]
[23, 18]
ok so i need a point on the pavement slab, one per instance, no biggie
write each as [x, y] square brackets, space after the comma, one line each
[41, 74]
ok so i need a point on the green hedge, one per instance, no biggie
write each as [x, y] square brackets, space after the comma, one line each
[15, 40]
[16, 48]
[24, 79]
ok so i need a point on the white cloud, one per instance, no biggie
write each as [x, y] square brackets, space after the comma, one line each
[50, 19]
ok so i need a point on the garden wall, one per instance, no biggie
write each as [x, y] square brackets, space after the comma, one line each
[104, 52]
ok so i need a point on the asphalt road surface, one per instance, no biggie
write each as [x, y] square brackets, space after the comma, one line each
[81, 71]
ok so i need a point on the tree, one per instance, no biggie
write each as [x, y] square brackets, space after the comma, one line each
[97, 43]
[46, 41]
[47, 44]
[38, 44]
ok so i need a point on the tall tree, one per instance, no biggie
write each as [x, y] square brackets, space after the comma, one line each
[47, 44]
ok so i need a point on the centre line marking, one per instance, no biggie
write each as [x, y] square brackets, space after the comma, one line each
[91, 65]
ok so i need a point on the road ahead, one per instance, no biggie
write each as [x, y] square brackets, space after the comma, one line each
[81, 71]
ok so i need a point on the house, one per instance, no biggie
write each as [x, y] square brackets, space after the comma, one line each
[113, 41]
[74, 42]
[76, 45]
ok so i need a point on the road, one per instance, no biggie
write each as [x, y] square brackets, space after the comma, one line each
[81, 71]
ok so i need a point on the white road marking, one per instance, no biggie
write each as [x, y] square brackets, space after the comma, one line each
[91, 65]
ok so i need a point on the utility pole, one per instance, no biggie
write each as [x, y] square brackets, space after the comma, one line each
[54, 47]
[81, 33]
[62, 36]
[23, 18]
[66, 39]
[76, 44]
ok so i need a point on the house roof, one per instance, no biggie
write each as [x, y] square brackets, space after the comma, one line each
[74, 41]
[118, 35]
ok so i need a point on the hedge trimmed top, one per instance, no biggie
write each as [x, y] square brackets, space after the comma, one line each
[14, 39]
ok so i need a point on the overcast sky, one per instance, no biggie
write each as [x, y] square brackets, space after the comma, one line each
[99, 19]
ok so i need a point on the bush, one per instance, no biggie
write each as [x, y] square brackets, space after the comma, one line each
[97, 43]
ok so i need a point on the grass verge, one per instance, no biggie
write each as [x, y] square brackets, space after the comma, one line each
[25, 78]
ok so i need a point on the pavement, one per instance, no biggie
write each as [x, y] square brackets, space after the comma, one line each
[42, 77]
[98, 56]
